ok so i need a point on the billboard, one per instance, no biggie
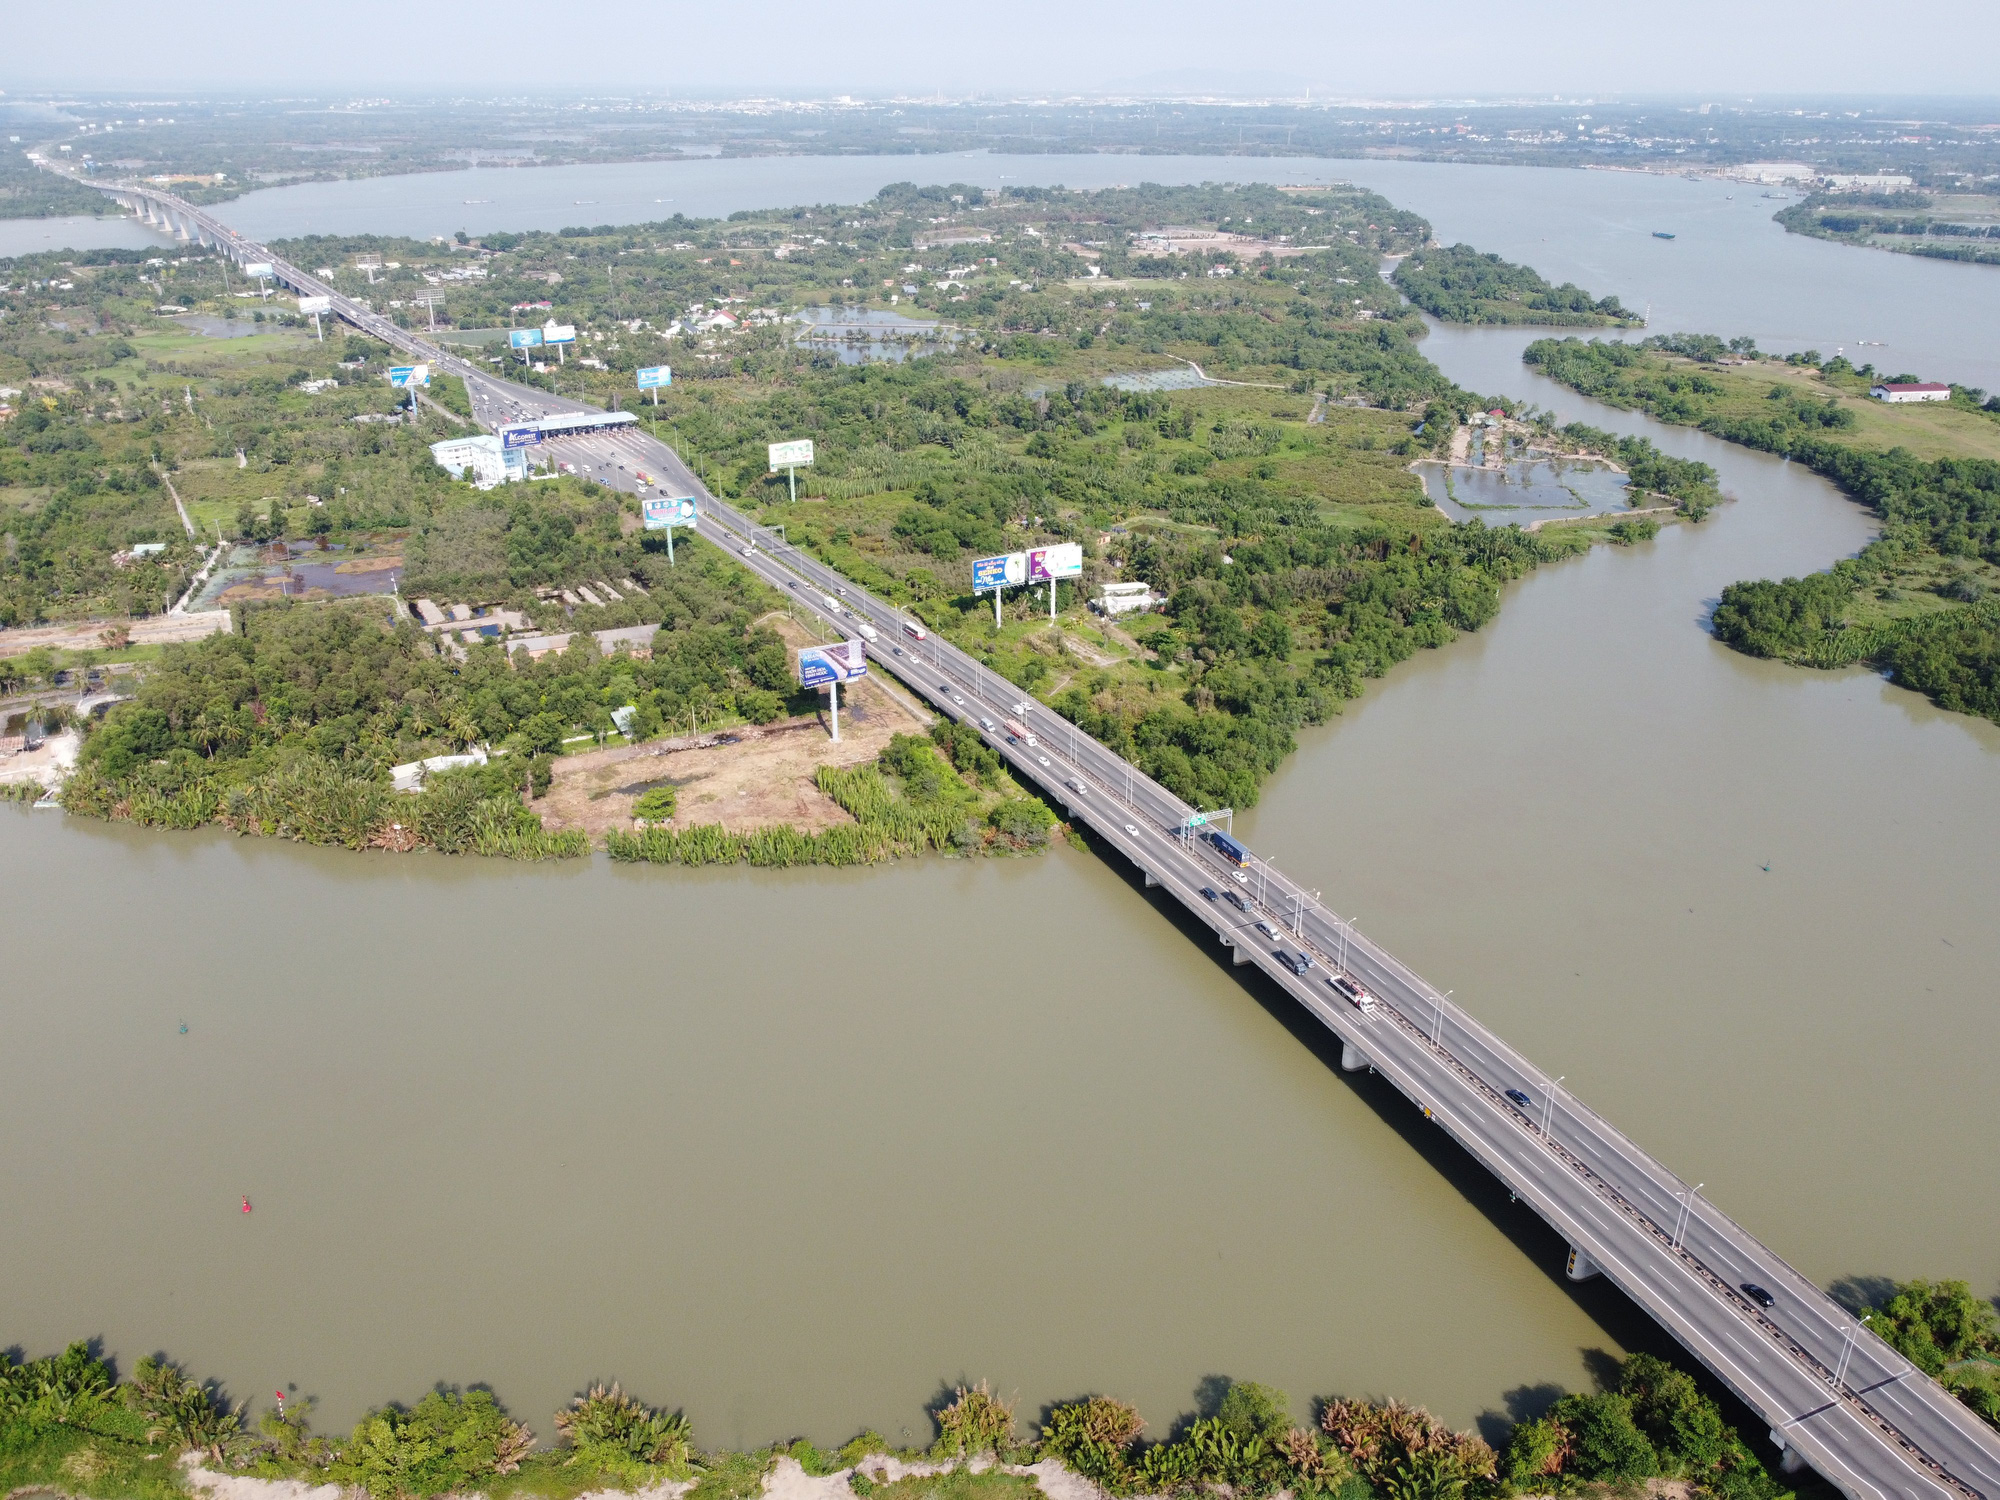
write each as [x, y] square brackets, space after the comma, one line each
[794, 455]
[995, 572]
[1064, 560]
[524, 338]
[558, 333]
[406, 375]
[520, 437]
[259, 268]
[841, 662]
[662, 511]
[654, 376]
[310, 305]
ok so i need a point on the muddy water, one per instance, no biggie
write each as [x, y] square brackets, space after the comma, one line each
[794, 1150]
[791, 1149]
[1568, 818]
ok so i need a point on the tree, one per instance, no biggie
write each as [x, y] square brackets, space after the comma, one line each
[1937, 1323]
[181, 1412]
[1605, 1443]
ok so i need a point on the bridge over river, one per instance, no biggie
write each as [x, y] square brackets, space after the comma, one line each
[1834, 1396]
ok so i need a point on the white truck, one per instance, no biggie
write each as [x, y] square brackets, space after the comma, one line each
[1353, 990]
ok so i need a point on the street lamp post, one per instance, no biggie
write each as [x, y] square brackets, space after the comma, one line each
[1437, 1030]
[1549, 1106]
[1847, 1353]
[1687, 1209]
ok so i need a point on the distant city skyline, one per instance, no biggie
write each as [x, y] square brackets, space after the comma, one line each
[1432, 48]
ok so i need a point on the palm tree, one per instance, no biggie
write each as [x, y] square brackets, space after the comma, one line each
[178, 1410]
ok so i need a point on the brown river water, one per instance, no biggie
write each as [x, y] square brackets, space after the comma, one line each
[797, 1150]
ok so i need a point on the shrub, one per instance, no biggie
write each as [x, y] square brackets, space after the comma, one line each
[973, 1421]
[446, 1442]
[615, 1434]
[655, 805]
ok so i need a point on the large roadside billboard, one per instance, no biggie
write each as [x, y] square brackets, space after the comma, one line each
[524, 338]
[407, 375]
[999, 572]
[654, 376]
[520, 437]
[1064, 560]
[558, 333]
[309, 305]
[661, 511]
[793, 455]
[841, 662]
[262, 269]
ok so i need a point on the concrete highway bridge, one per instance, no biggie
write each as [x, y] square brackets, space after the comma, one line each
[1833, 1395]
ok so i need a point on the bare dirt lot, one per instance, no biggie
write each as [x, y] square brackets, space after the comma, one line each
[747, 778]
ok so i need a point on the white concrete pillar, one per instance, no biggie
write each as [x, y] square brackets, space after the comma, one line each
[1581, 1267]
[1352, 1057]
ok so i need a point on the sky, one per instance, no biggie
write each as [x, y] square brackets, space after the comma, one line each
[1381, 48]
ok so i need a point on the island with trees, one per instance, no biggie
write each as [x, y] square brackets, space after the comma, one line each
[1458, 284]
[1923, 601]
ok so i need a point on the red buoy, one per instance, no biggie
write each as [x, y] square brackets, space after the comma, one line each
[246, 1205]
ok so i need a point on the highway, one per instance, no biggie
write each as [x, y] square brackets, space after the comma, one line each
[1832, 1394]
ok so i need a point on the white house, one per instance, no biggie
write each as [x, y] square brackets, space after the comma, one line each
[1924, 390]
[1124, 598]
[483, 459]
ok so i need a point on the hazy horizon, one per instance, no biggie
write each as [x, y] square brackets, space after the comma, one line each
[1432, 49]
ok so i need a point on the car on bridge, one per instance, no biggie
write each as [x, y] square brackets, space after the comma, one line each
[1758, 1295]
[1298, 963]
[1353, 991]
[1520, 1098]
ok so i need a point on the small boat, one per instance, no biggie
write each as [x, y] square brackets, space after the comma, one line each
[1661, 234]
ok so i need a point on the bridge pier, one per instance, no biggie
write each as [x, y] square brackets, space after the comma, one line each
[1581, 1267]
[1790, 1460]
[1151, 880]
[1237, 954]
[1352, 1057]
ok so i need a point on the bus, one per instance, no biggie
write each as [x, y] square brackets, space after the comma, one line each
[1229, 849]
[913, 630]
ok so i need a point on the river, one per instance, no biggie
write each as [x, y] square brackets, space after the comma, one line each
[536, 1126]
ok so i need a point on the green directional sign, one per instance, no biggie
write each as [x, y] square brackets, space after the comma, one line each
[1195, 820]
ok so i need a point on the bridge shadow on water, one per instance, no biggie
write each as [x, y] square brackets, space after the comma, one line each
[1624, 1324]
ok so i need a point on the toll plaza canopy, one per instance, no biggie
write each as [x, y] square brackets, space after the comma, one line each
[569, 424]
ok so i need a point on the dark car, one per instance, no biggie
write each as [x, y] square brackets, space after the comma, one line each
[1208, 893]
[1757, 1294]
[1519, 1098]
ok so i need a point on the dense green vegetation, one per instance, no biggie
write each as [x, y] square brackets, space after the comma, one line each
[1949, 1334]
[27, 192]
[65, 1421]
[1276, 515]
[1460, 285]
[1919, 602]
[1910, 222]
[289, 727]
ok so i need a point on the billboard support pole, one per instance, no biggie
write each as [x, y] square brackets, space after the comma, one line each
[792, 476]
[670, 546]
[996, 609]
[834, 688]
